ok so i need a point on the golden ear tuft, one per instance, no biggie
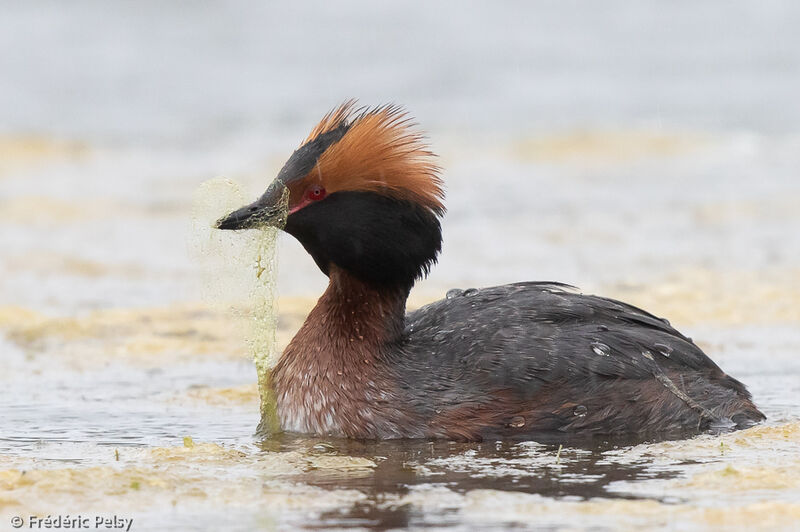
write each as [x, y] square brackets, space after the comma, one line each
[380, 152]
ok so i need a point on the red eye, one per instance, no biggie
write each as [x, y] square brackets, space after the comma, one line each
[315, 192]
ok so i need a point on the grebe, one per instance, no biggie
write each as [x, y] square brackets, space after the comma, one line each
[512, 361]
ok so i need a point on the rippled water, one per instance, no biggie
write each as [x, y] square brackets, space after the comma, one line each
[648, 152]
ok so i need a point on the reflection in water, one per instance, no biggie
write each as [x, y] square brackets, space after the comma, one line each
[403, 466]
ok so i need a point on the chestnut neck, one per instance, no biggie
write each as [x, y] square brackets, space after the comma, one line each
[353, 318]
[329, 375]
[375, 312]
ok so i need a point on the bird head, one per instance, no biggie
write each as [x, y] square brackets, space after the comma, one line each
[364, 194]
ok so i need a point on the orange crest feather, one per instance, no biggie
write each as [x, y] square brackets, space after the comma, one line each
[381, 152]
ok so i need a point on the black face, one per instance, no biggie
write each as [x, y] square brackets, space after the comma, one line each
[378, 239]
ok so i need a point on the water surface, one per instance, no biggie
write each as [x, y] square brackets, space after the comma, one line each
[647, 152]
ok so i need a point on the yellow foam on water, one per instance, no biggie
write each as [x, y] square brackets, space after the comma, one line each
[144, 336]
[24, 151]
[607, 146]
[242, 270]
[733, 297]
[738, 478]
[166, 478]
[245, 395]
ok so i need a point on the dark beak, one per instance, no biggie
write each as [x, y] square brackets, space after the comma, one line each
[270, 210]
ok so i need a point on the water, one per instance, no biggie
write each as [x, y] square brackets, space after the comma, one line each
[647, 152]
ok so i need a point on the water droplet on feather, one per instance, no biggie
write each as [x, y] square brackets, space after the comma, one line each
[601, 349]
[517, 422]
[664, 349]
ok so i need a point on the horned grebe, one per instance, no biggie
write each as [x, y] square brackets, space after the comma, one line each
[365, 200]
